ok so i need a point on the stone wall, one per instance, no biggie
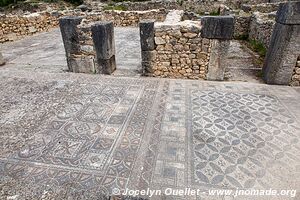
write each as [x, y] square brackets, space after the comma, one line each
[261, 27]
[296, 74]
[179, 50]
[128, 18]
[263, 7]
[14, 27]
[242, 24]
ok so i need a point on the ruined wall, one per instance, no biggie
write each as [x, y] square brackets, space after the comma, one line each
[14, 27]
[128, 18]
[84, 59]
[179, 51]
[261, 27]
[296, 74]
[242, 24]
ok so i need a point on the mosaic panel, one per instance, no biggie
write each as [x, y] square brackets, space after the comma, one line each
[238, 139]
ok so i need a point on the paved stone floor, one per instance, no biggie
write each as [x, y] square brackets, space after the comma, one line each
[242, 63]
[79, 136]
[34, 53]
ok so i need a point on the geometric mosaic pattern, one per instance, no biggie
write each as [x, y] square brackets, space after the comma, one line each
[239, 138]
[83, 135]
[140, 133]
[92, 140]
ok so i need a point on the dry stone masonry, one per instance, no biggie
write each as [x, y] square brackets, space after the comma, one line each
[296, 74]
[14, 27]
[186, 49]
[178, 51]
[261, 27]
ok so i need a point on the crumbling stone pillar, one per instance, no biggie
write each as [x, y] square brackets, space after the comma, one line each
[147, 45]
[220, 30]
[284, 46]
[70, 38]
[103, 38]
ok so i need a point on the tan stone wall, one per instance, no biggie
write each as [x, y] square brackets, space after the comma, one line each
[15, 27]
[296, 74]
[12, 27]
[128, 18]
[261, 27]
[180, 51]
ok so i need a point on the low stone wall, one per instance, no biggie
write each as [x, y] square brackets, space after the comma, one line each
[128, 18]
[14, 27]
[263, 7]
[296, 74]
[150, 5]
[261, 27]
[242, 24]
[179, 51]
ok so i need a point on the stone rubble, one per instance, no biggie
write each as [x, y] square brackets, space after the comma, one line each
[296, 74]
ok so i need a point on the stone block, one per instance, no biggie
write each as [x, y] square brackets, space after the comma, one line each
[106, 66]
[289, 13]
[146, 68]
[147, 35]
[282, 54]
[70, 36]
[2, 61]
[103, 38]
[148, 56]
[217, 63]
[82, 64]
[217, 27]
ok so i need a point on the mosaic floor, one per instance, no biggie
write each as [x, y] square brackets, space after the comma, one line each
[79, 136]
[65, 134]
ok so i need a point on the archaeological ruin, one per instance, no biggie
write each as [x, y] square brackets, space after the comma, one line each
[150, 99]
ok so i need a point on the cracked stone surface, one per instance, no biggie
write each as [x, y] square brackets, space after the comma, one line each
[79, 136]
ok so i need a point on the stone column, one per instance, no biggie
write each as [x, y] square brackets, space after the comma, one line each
[70, 37]
[104, 43]
[147, 45]
[284, 47]
[220, 30]
[2, 61]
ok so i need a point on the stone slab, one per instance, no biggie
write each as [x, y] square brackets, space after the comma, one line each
[282, 54]
[105, 66]
[82, 64]
[69, 35]
[147, 35]
[217, 27]
[217, 61]
[103, 38]
[289, 13]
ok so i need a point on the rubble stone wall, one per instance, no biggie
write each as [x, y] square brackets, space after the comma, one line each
[14, 27]
[261, 27]
[242, 25]
[296, 74]
[179, 51]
